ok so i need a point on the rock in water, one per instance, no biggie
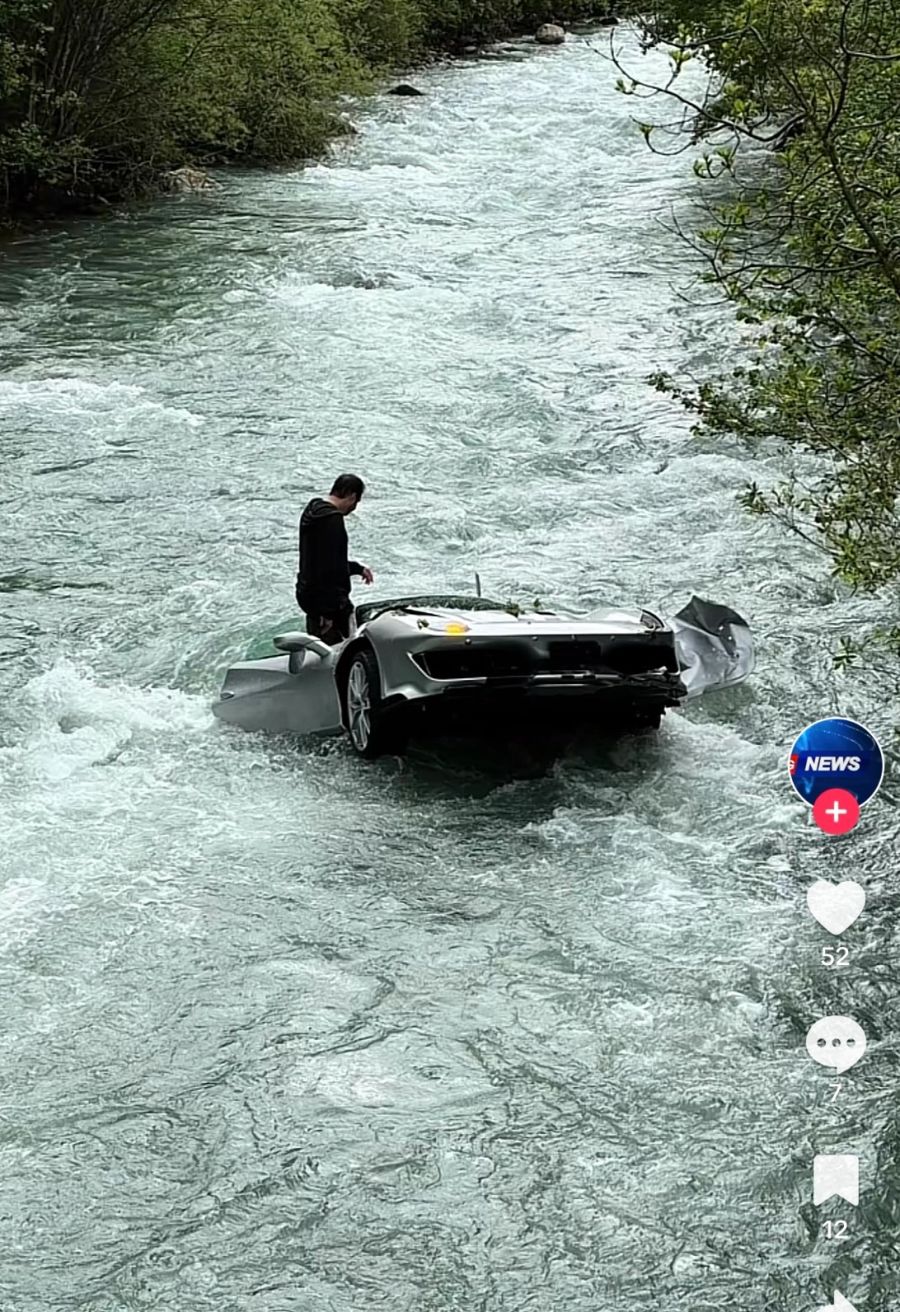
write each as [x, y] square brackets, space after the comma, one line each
[188, 179]
[404, 89]
[550, 34]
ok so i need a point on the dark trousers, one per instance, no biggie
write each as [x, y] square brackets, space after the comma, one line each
[332, 628]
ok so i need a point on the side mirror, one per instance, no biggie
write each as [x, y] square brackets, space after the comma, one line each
[295, 642]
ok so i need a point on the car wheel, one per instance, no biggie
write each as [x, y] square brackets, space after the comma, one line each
[372, 731]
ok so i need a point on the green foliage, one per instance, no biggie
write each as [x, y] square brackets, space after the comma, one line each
[447, 23]
[383, 33]
[806, 246]
[97, 99]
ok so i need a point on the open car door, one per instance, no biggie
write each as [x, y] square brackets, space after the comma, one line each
[714, 646]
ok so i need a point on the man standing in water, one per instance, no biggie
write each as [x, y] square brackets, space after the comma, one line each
[323, 579]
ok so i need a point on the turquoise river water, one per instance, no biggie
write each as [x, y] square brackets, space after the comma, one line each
[282, 1032]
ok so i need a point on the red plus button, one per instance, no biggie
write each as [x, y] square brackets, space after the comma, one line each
[836, 811]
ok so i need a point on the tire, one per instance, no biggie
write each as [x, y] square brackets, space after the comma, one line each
[372, 731]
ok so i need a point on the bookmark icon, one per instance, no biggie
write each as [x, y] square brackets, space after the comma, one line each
[836, 1176]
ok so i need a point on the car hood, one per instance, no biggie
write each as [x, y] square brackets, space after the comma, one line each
[501, 623]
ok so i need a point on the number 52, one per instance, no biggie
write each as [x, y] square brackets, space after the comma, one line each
[836, 956]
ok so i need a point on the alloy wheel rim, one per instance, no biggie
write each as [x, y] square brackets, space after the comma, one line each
[359, 706]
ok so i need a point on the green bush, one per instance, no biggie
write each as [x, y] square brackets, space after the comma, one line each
[96, 100]
[807, 249]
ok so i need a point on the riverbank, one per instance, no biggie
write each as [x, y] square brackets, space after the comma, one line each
[807, 252]
[100, 108]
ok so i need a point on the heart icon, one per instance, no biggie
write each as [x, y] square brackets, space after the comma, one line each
[836, 906]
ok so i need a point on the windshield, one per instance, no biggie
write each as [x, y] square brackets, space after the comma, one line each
[370, 610]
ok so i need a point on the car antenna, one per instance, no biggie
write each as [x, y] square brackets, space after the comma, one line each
[477, 584]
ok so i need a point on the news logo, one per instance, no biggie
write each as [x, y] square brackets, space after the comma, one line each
[836, 754]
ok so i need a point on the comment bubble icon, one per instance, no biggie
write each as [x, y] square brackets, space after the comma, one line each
[837, 1042]
[840, 1304]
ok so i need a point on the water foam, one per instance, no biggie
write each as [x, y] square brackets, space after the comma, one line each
[69, 723]
[71, 396]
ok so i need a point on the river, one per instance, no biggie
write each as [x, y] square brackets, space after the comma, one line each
[282, 1031]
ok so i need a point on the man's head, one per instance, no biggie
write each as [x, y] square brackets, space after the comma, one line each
[346, 493]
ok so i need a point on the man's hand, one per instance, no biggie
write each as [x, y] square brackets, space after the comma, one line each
[368, 576]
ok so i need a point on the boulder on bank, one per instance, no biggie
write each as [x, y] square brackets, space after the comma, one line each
[188, 179]
[498, 53]
[404, 89]
[550, 34]
[608, 20]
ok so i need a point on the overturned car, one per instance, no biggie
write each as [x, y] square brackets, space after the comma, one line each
[433, 664]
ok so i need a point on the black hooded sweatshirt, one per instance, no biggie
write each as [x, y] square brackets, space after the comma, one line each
[323, 578]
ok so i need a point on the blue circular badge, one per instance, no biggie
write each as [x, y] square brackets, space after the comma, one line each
[836, 754]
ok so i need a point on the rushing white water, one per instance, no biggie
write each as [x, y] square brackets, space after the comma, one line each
[282, 1032]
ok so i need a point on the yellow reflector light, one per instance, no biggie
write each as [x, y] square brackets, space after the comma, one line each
[456, 627]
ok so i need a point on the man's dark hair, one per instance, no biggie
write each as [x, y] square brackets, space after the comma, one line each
[348, 485]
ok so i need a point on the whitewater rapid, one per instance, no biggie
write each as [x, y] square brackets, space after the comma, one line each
[285, 1032]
